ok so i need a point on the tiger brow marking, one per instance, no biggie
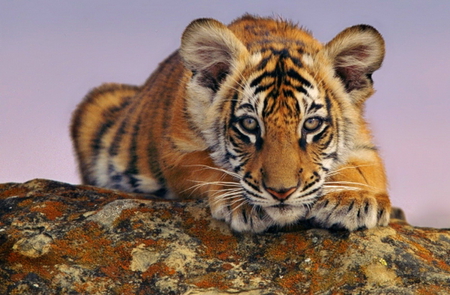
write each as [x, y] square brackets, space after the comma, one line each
[246, 106]
[314, 107]
[296, 76]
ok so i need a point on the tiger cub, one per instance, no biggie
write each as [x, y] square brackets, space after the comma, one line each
[258, 117]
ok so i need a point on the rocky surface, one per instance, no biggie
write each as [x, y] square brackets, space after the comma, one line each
[57, 238]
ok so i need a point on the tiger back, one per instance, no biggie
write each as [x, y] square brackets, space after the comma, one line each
[258, 117]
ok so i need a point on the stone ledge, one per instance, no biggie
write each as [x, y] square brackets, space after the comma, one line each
[57, 238]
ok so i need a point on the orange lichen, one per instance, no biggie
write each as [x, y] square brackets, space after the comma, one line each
[423, 252]
[279, 252]
[217, 244]
[291, 245]
[227, 266]
[113, 271]
[12, 191]
[43, 266]
[292, 281]
[159, 269]
[210, 280]
[156, 244]
[429, 290]
[88, 246]
[51, 209]
[18, 277]
[125, 289]
[25, 203]
[165, 215]
[429, 257]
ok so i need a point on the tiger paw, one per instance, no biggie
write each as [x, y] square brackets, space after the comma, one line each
[351, 210]
[242, 217]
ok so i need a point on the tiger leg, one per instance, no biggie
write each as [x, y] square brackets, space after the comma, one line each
[238, 213]
[196, 176]
[355, 197]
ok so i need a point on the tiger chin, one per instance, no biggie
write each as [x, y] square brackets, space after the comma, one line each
[258, 117]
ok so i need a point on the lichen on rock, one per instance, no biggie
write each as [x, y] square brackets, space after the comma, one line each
[57, 238]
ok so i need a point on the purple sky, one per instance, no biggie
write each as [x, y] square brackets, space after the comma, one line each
[53, 52]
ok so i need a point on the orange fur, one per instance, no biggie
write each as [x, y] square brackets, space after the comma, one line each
[259, 117]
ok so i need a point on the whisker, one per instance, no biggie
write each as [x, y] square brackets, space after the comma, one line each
[226, 183]
[243, 202]
[339, 188]
[348, 182]
[347, 167]
[226, 195]
[201, 184]
[205, 167]
[233, 200]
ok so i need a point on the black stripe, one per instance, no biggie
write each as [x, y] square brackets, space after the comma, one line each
[297, 62]
[259, 143]
[301, 89]
[109, 115]
[262, 88]
[264, 62]
[324, 169]
[319, 136]
[242, 137]
[258, 79]
[234, 144]
[307, 186]
[270, 98]
[302, 142]
[315, 106]
[330, 139]
[229, 155]
[330, 118]
[133, 160]
[252, 185]
[96, 143]
[289, 94]
[253, 194]
[362, 174]
[295, 75]
[242, 164]
[234, 102]
[247, 106]
[313, 191]
[114, 147]
[244, 215]
[333, 155]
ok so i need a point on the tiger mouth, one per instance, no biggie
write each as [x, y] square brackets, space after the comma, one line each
[281, 206]
[284, 208]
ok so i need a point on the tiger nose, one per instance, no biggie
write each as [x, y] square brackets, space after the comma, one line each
[281, 194]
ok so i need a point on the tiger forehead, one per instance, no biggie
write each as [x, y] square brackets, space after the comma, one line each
[277, 54]
[279, 80]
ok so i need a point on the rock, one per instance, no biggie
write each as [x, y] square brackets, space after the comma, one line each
[57, 238]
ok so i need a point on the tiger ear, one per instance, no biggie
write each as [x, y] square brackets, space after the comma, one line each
[209, 49]
[356, 53]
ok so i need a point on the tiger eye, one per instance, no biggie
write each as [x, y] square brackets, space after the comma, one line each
[249, 124]
[312, 124]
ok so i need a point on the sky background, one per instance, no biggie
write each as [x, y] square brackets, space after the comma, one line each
[53, 52]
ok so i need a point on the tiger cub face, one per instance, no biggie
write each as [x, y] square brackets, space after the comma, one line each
[279, 111]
